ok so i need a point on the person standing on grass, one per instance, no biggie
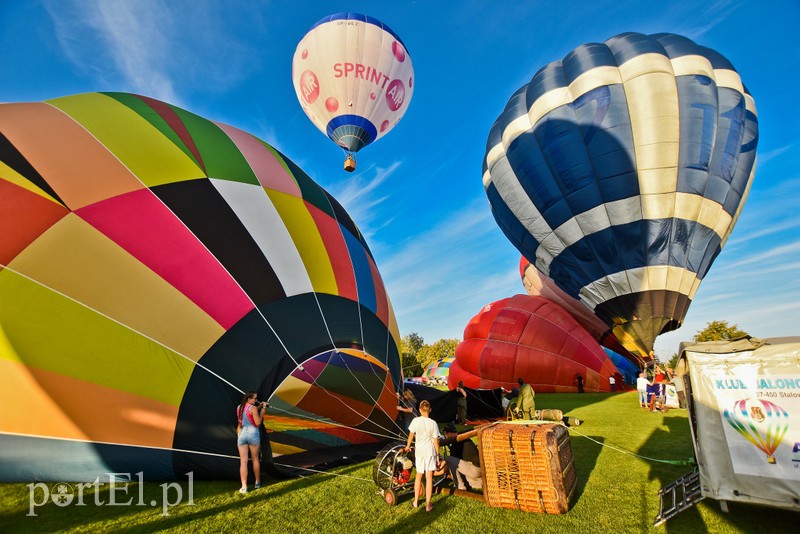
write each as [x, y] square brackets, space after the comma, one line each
[424, 432]
[407, 408]
[461, 404]
[613, 383]
[579, 380]
[641, 388]
[526, 402]
[250, 415]
[660, 384]
[677, 381]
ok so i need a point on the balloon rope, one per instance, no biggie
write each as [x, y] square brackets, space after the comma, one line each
[372, 368]
[333, 345]
[363, 347]
[688, 462]
[318, 471]
[98, 312]
[383, 387]
[329, 422]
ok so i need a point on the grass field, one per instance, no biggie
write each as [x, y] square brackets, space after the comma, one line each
[617, 491]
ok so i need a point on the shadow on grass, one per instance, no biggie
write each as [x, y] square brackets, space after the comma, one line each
[420, 519]
[673, 436]
[51, 517]
[585, 454]
[566, 402]
[707, 515]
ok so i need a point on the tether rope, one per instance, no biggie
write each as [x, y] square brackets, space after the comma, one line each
[317, 471]
[688, 462]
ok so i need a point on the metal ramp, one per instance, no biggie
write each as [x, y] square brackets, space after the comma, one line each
[678, 496]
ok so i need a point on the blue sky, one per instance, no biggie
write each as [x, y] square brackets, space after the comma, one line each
[417, 193]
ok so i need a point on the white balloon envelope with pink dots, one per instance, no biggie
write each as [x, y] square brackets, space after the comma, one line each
[353, 77]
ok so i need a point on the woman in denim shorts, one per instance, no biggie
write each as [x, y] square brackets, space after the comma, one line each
[250, 414]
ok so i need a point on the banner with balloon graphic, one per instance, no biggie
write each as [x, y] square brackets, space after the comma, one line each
[745, 398]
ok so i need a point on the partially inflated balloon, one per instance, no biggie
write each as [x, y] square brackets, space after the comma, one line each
[530, 338]
[353, 77]
[620, 172]
[439, 369]
[628, 370]
[538, 284]
[154, 265]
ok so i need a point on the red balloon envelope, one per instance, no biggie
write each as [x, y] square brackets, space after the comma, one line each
[532, 338]
[538, 284]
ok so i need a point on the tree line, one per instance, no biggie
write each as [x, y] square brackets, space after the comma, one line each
[416, 355]
[714, 331]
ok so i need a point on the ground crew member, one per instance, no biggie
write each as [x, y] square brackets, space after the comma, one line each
[526, 402]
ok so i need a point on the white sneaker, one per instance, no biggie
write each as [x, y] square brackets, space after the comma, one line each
[242, 490]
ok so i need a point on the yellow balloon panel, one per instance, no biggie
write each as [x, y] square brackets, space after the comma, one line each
[52, 332]
[72, 258]
[149, 154]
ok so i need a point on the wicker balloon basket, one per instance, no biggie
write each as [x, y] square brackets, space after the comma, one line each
[527, 465]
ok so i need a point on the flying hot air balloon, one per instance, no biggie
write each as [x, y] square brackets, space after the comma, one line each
[620, 172]
[761, 422]
[155, 265]
[530, 338]
[354, 79]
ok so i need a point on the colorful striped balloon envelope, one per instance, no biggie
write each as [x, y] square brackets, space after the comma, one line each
[154, 265]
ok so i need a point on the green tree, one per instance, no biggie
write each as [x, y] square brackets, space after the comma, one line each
[673, 361]
[410, 345]
[440, 349]
[719, 330]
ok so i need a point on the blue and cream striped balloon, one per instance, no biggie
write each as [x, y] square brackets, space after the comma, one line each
[620, 171]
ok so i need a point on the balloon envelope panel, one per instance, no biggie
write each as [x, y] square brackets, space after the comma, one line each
[620, 171]
[537, 284]
[353, 77]
[530, 338]
[439, 369]
[628, 370]
[154, 265]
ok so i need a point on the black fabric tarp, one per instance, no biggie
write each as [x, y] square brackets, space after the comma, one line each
[481, 403]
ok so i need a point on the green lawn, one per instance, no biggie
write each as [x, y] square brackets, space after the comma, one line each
[616, 492]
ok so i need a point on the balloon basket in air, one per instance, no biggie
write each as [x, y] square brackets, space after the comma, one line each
[349, 164]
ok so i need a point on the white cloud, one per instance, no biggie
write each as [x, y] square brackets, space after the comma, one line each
[132, 35]
[443, 277]
[159, 48]
[764, 157]
[764, 256]
[709, 16]
[360, 196]
[764, 232]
